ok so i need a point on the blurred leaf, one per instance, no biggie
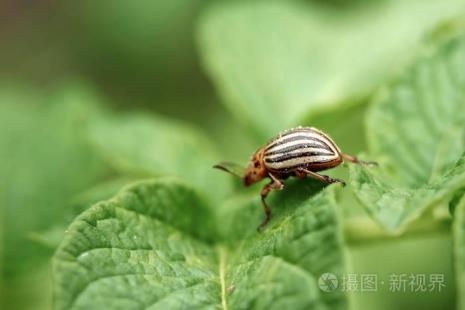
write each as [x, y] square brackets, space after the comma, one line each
[52, 236]
[151, 145]
[275, 63]
[44, 159]
[155, 246]
[459, 252]
[456, 200]
[427, 254]
[30, 290]
[43, 155]
[140, 34]
[150, 41]
[417, 133]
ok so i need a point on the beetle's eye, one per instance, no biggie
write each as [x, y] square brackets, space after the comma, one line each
[256, 164]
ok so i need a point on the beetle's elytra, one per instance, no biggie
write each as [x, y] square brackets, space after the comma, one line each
[299, 152]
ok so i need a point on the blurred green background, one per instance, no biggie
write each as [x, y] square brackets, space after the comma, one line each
[227, 74]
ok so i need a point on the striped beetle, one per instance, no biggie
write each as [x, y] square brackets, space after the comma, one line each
[300, 152]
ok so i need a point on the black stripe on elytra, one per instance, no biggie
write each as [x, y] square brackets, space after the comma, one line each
[299, 146]
[296, 166]
[295, 138]
[294, 155]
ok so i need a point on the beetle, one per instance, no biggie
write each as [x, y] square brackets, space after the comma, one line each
[298, 152]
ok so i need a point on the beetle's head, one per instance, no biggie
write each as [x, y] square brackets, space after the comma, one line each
[256, 170]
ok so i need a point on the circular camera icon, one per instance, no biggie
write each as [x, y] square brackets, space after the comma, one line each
[328, 282]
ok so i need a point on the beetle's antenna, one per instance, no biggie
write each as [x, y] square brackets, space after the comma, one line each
[230, 167]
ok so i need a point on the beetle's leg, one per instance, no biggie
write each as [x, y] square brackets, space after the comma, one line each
[355, 160]
[324, 178]
[277, 184]
[274, 184]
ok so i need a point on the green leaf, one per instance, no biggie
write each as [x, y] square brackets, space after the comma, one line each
[275, 63]
[52, 236]
[135, 54]
[141, 143]
[456, 200]
[459, 251]
[43, 153]
[417, 134]
[157, 245]
[44, 159]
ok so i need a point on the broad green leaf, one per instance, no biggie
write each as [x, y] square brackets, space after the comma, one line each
[416, 132]
[157, 245]
[459, 251]
[152, 145]
[276, 62]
